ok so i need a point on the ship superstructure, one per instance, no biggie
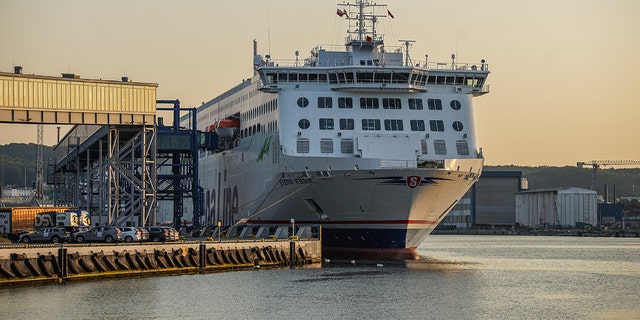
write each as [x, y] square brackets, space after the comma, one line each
[373, 146]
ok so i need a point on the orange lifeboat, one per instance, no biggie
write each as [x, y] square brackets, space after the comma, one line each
[226, 128]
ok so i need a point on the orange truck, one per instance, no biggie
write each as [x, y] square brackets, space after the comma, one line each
[17, 220]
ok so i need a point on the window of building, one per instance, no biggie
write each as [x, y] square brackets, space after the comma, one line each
[393, 125]
[346, 146]
[417, 125]
[345, 103]
[325, 102]
[436, 125]
[302, 145]
[304, 124]
[415, 104]
[370, 124]
[346, 124]
[391, 103]
[326, 123]
[455, 105]
[462, 147]
[303, 102]
[369, 103]
[434, 104]
[440, 147]
[326, 145]
[457, 126]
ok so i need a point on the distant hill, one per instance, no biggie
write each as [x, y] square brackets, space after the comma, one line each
[18, 158]
[625, 181]
[15, 158]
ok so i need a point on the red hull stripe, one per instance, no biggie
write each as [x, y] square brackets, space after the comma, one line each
[329, 222]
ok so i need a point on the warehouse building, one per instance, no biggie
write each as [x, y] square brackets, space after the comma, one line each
[560, 207]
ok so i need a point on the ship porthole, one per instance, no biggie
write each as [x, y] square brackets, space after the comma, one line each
[303, 102]
[455, 105]
[457, 126]
[304, 124]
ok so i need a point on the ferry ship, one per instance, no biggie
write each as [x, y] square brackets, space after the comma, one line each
[358, 138]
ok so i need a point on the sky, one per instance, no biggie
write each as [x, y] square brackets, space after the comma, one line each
[564, 83]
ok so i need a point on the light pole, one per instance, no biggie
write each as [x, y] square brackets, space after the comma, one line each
[219, 230]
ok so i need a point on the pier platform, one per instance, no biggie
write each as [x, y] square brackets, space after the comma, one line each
[65, 263]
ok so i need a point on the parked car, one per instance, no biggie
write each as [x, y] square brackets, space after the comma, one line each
[106, 234]
[163, 234]
[53, 235]
[144, 233]
[130, 234]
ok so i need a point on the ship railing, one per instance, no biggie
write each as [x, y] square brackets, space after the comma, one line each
[390, 163]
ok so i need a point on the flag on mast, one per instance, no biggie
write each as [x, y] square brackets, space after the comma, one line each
[390, 14]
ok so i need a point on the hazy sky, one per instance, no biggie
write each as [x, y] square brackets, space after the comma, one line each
[565, 81]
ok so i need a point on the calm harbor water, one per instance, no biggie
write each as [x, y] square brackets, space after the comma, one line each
[459, 277]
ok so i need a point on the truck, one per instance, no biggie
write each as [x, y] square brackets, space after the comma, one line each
[73, 218]
[17, 220]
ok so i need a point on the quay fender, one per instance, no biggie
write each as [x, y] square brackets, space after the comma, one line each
[216, 257]
[246, 254]
[45, 267]
[277, 255]
[95, 258]
[272, 256]
[72, 263]
[159, 257]
[193, 257]
[265, 252]
[149, 260]
[34, 271]
[175, 259]
[232, 258]
[224, 257]
[130, 261]
[19, 270]
[301, 253]
[109, 263]
[209, 256]
[117, 260]
[140, 261]
[258, 253]
[86, 266]
[167, 258]
[239, 257]
[6, 273]
[283, 255]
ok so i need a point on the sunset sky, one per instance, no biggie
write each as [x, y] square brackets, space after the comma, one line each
[565, 84]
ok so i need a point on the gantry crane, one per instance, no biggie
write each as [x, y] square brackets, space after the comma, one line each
[596, 164]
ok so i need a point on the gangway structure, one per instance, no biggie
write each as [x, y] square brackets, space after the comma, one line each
[106, 163]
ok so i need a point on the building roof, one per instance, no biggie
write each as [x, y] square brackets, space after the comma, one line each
[560, 190]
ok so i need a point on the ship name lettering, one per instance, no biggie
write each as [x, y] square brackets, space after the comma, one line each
[288, 181]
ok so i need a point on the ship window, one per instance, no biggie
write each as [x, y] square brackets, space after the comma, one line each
[322, 77]
[348, 77]
[303, 102]
[326, 124]
[436, 125]
[346, 146]
[366, 77]
[282, 77]
[346, 124]
[431, 80]
[434, 104]
[304, 124]
[459, 80]
[293, 77]
[271, 78]
[345, 103]
[369, 103]
[455, 105]
[440, 147]
[333, 78]
[370, 124]
[302, 145]
[325, 102]
[417, 125]
[393, 125]
[451, 80]
[457, 126]
[415, 104]
[423, 146]
[401, 77]
[462, 147]
[326, 145]
[313, 77]
[440, 80]
[362, 62]
[302, 77]
[391, 103]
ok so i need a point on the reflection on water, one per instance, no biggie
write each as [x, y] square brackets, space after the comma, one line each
[458, 277]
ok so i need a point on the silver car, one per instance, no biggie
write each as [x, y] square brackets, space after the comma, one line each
[104, 234]
[53, 235]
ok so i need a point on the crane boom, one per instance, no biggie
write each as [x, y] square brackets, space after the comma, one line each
[600, 163]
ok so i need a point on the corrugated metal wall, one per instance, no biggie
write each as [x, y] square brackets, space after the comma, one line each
[44, 99]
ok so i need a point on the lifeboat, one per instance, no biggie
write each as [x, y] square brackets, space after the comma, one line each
[226, 128]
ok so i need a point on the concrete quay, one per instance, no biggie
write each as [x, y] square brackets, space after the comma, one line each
[65, 263]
